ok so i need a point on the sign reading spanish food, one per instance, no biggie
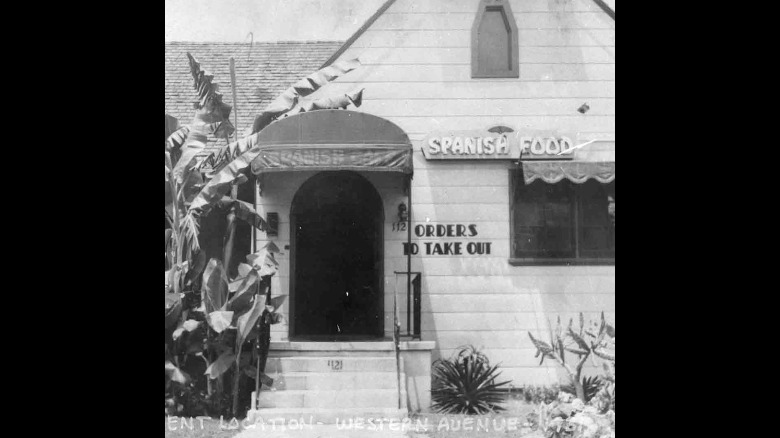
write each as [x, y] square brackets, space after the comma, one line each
[452, 248]
[485, 145]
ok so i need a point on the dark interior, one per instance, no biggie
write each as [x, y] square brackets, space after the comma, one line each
[337, 258]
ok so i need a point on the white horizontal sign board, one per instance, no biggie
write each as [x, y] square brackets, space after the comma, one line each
[486, 145]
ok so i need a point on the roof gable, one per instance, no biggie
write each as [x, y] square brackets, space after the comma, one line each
[263, 71]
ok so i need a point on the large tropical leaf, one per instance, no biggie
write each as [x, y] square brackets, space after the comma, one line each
[215, 285]
[289, 98]
[194, 145]
[174, 373]
[242, 299]
[210, 105]
[219, 320]
[210, 113]
[263, 261]
[188, 326]
[222, 364]
[189, 233]
[168, 245]
[244, 211]
[176, 140]
[239, 155]
[198, 265]
[243, 271]
[338, 102]
[172, 310]
[276, 302]
[171, 125]
[248, 320]
[222, 181]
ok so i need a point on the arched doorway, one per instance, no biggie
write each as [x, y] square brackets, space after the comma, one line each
[336, 259]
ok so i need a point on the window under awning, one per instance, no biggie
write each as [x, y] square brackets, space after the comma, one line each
[333, 140]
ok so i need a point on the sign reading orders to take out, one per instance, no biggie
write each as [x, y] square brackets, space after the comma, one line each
[485, 145]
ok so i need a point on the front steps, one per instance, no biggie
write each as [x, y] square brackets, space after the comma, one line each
[325, 383]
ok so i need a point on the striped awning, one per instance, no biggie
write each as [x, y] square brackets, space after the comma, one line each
[332, 140]
[575, 171]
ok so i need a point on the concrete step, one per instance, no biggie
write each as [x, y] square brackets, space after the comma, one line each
[335, 380]
[302, 417]
[333, 399]
[329, 364]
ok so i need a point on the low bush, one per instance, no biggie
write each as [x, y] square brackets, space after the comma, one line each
[540, 394]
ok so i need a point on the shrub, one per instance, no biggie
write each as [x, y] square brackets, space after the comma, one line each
[590, 385]
[540, 394]
[569, 417]
[600, 343]
[466, 384]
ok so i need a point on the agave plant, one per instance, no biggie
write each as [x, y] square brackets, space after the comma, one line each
[466, 384]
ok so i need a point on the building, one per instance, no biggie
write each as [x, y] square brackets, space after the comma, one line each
[470, 102]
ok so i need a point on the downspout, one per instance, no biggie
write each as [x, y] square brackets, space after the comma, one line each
[408, 246]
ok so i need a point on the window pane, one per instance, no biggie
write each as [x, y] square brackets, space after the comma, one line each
[543, 216]
[597, 233]
[494, 55]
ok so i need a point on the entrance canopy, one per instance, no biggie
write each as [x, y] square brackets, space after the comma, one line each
[333, 140]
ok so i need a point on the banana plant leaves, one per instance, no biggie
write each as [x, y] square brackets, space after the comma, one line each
[242, 299]
[198, 265]
[276, 303]
[286, 102]
[304, 87]
[244, 211]
[210, 113]
[224, 129]
[176, 140]
[171, 125]
[338, 102]
[196, 142]
[209, 96]
[172, 310]
[188, 325]
[243, 271]
[220, 320]
[251, 372]
[174, 373]
[222, 364]
[248, 320]
[263, 261]
[215, 285]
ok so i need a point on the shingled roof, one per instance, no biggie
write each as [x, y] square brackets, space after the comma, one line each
[263, 71]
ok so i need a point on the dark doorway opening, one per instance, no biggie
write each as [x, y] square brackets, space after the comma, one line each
[336, 236]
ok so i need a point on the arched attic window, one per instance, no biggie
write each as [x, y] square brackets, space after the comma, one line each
[494, 52]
